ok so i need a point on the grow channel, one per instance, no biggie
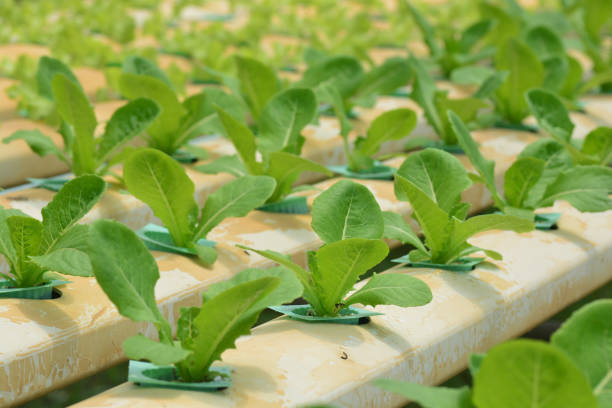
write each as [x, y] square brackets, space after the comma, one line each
[223, 267]
[486, 137]
[231, 255]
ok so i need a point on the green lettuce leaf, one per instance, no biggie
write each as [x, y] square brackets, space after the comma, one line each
[161, 183]
[346, 210]
[234, 199]
[126, 271]
[339, 265]
[392, 289]
[258, 84]
[222, 320]
[586, 338]
[525, 373]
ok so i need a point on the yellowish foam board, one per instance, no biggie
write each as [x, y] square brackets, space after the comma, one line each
[286, 363]
[87, 322]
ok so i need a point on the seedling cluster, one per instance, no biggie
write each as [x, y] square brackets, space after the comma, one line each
[508, 68]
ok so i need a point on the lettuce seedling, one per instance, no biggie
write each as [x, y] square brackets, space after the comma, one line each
[458, 49]
[36, 251]
[541, 175]
[31, 102]
[82, 151]
[391, 125]
[509, 97]
[591, 19]
[341, 82]
[127, 272]
[563, 72]
[432, 181]
[257, 84]
[349, 221]
[553, 117]
[436, 103]
[179, 122]
[162, 183]
[279, 143]
[573, 370]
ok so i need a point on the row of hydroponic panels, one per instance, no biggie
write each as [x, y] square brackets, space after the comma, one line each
[342, 204]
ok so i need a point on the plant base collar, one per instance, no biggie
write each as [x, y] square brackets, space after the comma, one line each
[184, 157]
[460, 265]
[516, 126]
[349, 315]
[151, 375]
[289, 205]
[158, 238]
[52, 184]
[546, 221]
[377, 172]
[41, 292]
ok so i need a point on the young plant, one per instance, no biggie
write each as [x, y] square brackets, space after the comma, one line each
[436, 103]
[31, 102]
[82, 151]
[341, 82]
[349, 221]
[553, 117]
[279, 143]
[509, 95]
[458, 50]
[591, 21]
[391, 125]
[542, 174]
[573, 370]
[563, 72]
[36, 251]
[432, 181]
[178, 122]
[127, 272]
[256, 84]
[162, 183]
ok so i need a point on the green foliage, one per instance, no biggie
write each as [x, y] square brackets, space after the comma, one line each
[127, 273]
[436, 103]
[572, 371]
[525, 71]
[162, 183]
[34, 249]
[283, 118]
[391, 125]
[82, 151]
[341, 82]
[426, 396]
[178, 122]
[459, 49]
[432, 181]
[348, 219]
[221, 320]
[586, 339]
[279, 161]
[258, 84]
[346, 210]
[380, 80]
[544, 374]
[541, 174]
[553, 117]
[590, 19]
[289, 288]
[505, 25]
